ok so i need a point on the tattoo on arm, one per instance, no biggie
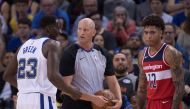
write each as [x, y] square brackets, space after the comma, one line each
[142, 90]
[177, 77]
[142, 86]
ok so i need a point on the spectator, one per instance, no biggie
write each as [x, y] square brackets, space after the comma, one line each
[74, 67]
[174, 6]
[5, 14]
[125, 85]
[5, 89]
[15, 42]
[127, 81]
[3, 24]
[121, 25]
[33, 7]
[49, 7]
[135, 44]
[75, 9]
[6, 9]
[109, 6]
[157, 7]
[99, 40]
[179, 18]
[131, 67]
[89, 6]
[109, 39]
[21, 7]
[143, 10]
[120, 66]
[169, 38]
[63, 5]
[184, 36]
[3, 36]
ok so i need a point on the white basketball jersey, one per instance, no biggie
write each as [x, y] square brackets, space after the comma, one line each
[32, 69]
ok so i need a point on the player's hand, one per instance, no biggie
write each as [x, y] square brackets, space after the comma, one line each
[117, 105]
[99, 101]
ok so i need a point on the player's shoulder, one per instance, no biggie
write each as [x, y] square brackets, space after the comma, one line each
[141, 53]
[50, 43]
[171, 51]
[172, 56]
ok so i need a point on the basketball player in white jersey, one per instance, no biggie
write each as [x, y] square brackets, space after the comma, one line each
[34, 70]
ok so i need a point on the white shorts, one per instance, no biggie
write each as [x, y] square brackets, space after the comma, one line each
[35, 101]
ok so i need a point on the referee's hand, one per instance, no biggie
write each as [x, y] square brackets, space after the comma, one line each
[99, 101]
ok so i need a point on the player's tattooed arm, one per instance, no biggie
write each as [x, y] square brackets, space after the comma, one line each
[174, 59]
[142, 87]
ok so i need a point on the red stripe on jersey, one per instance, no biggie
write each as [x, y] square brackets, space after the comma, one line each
[154, 66]
[162, 89]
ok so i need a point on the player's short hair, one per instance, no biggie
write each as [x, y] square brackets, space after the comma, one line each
[47, 20]
[153, 20]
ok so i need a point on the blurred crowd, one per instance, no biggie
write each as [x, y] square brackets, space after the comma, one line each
[118, 29]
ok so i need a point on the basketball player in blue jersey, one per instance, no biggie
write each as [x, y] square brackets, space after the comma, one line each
[34, 70]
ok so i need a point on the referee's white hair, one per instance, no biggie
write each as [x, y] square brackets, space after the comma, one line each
[89, 21]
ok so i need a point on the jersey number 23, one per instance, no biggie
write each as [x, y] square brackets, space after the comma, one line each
[27, 68]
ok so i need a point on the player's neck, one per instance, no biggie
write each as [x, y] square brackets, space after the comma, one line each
[156, 47]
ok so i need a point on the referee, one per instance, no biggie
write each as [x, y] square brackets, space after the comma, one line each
[84, 66]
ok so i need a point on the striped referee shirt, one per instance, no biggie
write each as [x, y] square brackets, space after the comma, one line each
[87, 67]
